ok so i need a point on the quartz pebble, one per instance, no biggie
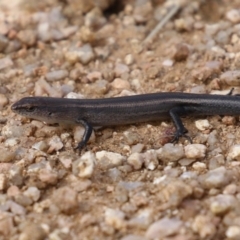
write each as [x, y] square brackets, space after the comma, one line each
[135, 160]
[120, 69]
[85, 54]
[107, 160]
[5, 62]
[174, 192]
[32, 231]
[119, 83]
[164, 227]
[195, 151]
[48, 176]
[216, 178]
[84, 166]
[233, 232]
[131, 137]
[202, 125]
[55, 144]
[171, 153]
[129, 59]
[33, 193]
[234, 152]
[222, 203]
[133, 237]
[204, 226]
[6, 155]
[233, 15]
[56, 75]
[150, 159]
[231, 78]
[115, 218]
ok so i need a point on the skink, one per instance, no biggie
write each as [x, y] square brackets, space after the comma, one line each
[127, 110]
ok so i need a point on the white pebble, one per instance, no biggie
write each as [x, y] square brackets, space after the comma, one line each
[234, 152]
[55, 144]
[109, 159]
[5, 62]
[129, 59]
[135, 160]
[120, 69]
[195, 151]
[171, 152]
[216, 178]
[199, 166]
[222, 203]
[233, 16]
[164, 227]
[84, 166]
[151, 159]
[233, 232]
[231, 78]
[56, 75]
[168, 63]
[33, 193]
[115, 218]
[203, 124]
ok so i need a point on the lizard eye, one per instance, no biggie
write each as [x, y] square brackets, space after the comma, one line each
[30, 109]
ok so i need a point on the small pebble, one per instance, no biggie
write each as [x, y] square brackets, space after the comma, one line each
[195, 151]
[3, 181]
[164, 228]
[33, 193]
[120, 69]
[115, 218]
[199, 166]
[119, 83]
[93, 76]
[216, 178]
[231, 78]
[171, 153]
[85, 54]
[222, 204]
[181, 52]
[5, 62]
[168, 63]
[84, 166]
[233, 15]
[55, 144]
[65, 199]
[234, 152]
[56, 75]
[32, 231]
[203, 124]
[3, 43]
[133, 237]
[48, 176]
[233, 232]
[204, 226]
[129, 59]
[135, 160]
[131, 137]
[27, 37]
[150, 159]
[107, 160]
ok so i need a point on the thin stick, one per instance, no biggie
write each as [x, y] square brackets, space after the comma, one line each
[154, 32]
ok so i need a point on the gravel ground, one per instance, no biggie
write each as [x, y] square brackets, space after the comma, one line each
[130, 183]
